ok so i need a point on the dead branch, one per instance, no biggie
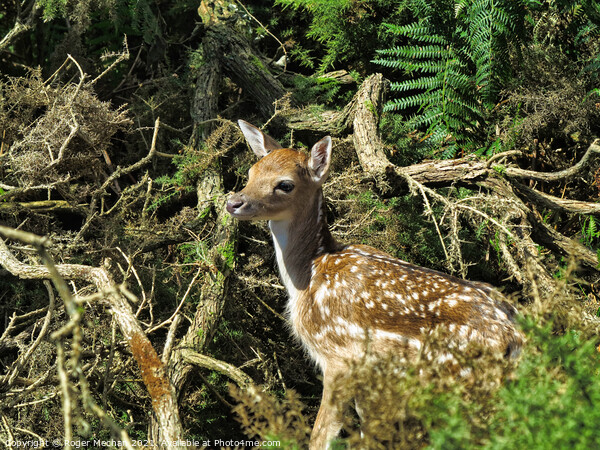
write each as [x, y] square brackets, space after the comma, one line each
[548, 201]
[591, 153]
[11, 191]
[43, 206]
[21, 26]
[214, 284]
[231, 53]
[335, 123]
[206, 362]
[120, 56]
[153, 372]
[120, 171]
[479, 174]
[17, 366]
[369, 102]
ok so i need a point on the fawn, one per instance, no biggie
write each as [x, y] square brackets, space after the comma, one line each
[342, 296]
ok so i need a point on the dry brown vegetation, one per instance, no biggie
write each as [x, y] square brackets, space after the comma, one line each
[160, 302]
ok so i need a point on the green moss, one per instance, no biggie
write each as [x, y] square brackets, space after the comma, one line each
[227, 252]
[500, 169]
[258, 63]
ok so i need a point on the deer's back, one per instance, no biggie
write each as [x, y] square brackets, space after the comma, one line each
[360, 298]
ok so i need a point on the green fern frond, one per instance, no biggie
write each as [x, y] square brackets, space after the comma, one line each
[414, 52]
[586, 33]
[427, 66]
[426, 83]
[418, 31]
[592, 228]
[459, 80]
[449, 151]
[412, 101]
[432, 119]
[456, 55]
[422, 8]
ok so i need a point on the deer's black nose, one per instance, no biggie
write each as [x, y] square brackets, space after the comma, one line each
[233, 204]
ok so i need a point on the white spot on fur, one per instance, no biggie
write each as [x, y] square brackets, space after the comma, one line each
[320, 294]
[445, 357]
[464, 331]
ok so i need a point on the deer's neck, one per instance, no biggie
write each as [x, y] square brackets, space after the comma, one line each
[298, 241]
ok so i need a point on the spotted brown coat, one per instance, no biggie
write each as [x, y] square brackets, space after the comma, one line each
[347, 301]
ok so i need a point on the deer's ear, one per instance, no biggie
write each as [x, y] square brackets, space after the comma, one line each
[320, 160]
[259, 142]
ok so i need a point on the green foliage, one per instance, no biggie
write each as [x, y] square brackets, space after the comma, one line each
[571, 25]
[396, 225]
[460, 57]
[194, 253]
[589, 231]
[53, 8]
[456, 64]
[228, 255]
[144, 20]
[129, 16]
[190, 166]
[554, 399]
[347, 29]
[551, 399]
[320, 90]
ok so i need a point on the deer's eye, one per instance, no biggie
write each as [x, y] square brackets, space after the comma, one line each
[285, 186]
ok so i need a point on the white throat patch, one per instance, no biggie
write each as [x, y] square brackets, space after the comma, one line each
[280, 232]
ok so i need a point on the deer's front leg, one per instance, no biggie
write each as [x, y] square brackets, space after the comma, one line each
[329, 418]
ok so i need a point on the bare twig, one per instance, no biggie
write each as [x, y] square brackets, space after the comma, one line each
[269, 33]
[131, 267]
[121, 56]
[36, 402]
[11, 437]
[170, 340]
[66, 395]
[81, 79]
[429, 212]
[592, 151]
[119, 171]
[502, 155]
[176, 312]
[109, 362]
[18, 365]
[20, 27]
[232, 372]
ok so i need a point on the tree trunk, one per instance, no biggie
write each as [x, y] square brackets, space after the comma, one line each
[226, 47]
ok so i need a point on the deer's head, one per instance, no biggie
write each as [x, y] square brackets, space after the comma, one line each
[282, 181]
